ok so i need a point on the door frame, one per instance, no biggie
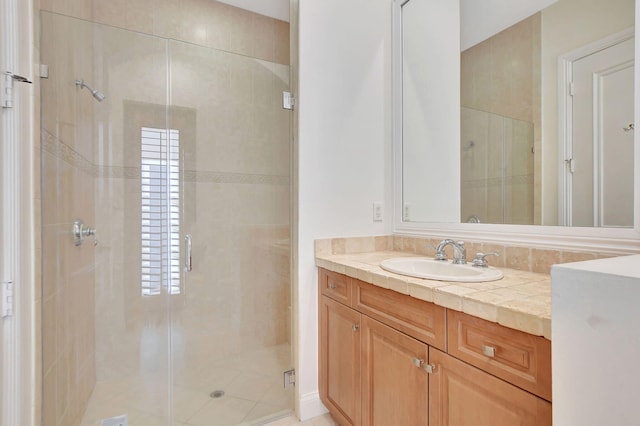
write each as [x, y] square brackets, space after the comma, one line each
[565, 121]
[19, 386]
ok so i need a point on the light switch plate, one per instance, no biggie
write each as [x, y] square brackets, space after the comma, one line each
[377, 211]
[406, 212]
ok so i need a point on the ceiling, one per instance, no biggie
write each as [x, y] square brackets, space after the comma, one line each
[480, 20]
[278, 9]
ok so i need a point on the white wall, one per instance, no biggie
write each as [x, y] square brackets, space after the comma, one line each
[430, 111]
[344, 146]
[596, 346]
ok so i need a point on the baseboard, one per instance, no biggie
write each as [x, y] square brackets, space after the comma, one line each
[311, 406]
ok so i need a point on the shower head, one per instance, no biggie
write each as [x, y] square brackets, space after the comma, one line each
[99, 96]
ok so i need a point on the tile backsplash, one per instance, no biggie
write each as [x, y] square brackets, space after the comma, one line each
[510, 256]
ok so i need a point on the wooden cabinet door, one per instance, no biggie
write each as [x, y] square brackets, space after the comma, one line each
[394, 382]
[462, 395]
[340, 361]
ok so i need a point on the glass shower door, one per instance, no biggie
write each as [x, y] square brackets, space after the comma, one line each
[231, 326]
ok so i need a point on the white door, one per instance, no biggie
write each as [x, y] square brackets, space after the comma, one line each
[601, 150]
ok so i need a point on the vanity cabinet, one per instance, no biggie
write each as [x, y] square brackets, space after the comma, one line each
[389, 359]
[373, 357]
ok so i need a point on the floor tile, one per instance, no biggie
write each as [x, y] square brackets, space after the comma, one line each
[252, 383]
[225, 411]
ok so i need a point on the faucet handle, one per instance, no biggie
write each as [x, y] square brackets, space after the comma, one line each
[480, 259]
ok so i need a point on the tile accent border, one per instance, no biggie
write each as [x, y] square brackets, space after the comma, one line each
[60, 150]
[64, 152]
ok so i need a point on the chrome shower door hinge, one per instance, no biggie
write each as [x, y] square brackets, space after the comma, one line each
[6, 91]
[6, 296]
[289, 378]
[288, 100]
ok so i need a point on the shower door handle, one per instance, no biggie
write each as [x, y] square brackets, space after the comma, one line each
[187, 253]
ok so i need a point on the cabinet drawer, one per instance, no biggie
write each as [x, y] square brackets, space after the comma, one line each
[335, 286]
[517, 357]
[419, 319]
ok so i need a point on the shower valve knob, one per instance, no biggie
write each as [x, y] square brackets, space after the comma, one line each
[80, 232]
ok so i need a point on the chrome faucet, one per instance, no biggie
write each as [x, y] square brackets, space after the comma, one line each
[459, 252]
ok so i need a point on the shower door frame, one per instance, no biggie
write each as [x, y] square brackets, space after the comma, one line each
[18, 337]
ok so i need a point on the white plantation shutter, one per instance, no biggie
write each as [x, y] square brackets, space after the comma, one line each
[160, 215]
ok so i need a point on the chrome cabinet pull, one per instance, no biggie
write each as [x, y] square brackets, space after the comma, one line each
[355, 327]
[489, 351]
[429, 368]
[333, 286]
[187, 253]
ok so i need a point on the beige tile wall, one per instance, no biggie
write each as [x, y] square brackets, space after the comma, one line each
[510, 256]
[498, 75]
[202, 22]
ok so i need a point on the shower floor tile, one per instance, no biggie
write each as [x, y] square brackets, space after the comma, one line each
[251, 394]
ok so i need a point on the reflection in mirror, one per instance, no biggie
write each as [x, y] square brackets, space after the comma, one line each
[524, 160]
[546, 119]
[496, 168]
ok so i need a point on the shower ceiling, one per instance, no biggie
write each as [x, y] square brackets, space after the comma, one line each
[278, 9]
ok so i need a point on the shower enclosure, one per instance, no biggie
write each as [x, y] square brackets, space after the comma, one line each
[173, 305]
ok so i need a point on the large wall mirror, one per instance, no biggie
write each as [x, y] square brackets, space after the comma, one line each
[546, 115]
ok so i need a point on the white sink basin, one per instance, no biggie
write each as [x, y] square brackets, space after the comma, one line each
[423, 267]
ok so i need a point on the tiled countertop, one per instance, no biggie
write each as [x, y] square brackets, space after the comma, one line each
[521, 300]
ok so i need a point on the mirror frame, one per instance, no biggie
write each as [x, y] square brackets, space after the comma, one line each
[609, 240]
